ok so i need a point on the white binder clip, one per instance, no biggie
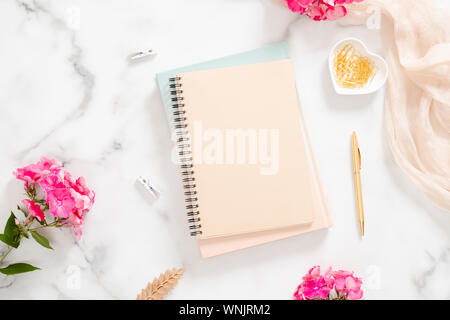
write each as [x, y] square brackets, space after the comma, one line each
[141, 54]
[145, 184]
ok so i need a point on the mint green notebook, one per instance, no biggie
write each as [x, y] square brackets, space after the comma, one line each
[277, 51]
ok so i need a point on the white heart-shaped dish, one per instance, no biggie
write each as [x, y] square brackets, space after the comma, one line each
[380, 77]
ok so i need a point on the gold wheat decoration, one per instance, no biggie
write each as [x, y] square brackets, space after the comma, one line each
[159, 287]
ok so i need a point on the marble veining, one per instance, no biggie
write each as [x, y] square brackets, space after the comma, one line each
[69, 91]
[34, 10]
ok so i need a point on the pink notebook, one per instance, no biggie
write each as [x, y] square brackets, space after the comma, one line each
[247, 165]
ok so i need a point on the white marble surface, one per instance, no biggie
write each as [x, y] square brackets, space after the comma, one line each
[67, 91]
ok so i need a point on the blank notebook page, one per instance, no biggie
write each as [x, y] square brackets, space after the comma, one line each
[249, 159]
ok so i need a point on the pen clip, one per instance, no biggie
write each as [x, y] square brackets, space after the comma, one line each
[356, 153]
[359, 158]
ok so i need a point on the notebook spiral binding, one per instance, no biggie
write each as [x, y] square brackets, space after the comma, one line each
[185, 156]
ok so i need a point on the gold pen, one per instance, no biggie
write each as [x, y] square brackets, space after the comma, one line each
[356, 171]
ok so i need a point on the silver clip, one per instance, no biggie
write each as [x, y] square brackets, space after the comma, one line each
[142, 54]
[148, 187]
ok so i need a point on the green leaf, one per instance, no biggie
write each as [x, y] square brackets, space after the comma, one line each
[11, 228]
[43, 241]
[18, 268]
[9, 241]
[11, 235]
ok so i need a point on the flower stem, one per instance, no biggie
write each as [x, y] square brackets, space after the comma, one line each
[6, 253]
[48, 225]
[29, 224]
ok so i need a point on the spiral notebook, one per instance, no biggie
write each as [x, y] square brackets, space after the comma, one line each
[233, 205]
[246, 164]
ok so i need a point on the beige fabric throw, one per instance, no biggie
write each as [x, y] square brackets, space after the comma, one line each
[416, 38]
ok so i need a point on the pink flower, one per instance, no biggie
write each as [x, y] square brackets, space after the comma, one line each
[84, 197]
[67, 199]
[316, 289]
[328, 276]
[81, 188]
[314, 285]
[51, 182]
[320, 9]
[333, 284]
[27, 174]
[316, 13]
[313, 273]
[334, 13]
[348, 285]
[299, 5]
[34, 172]
[34, 209]
[61, 203]
[75, 221]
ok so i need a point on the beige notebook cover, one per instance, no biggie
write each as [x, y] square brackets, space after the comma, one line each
[251, 168]
[217, 246]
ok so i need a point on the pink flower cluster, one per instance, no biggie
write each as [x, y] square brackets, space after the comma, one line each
[339, 285]
[320, 9]
[67, 199]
